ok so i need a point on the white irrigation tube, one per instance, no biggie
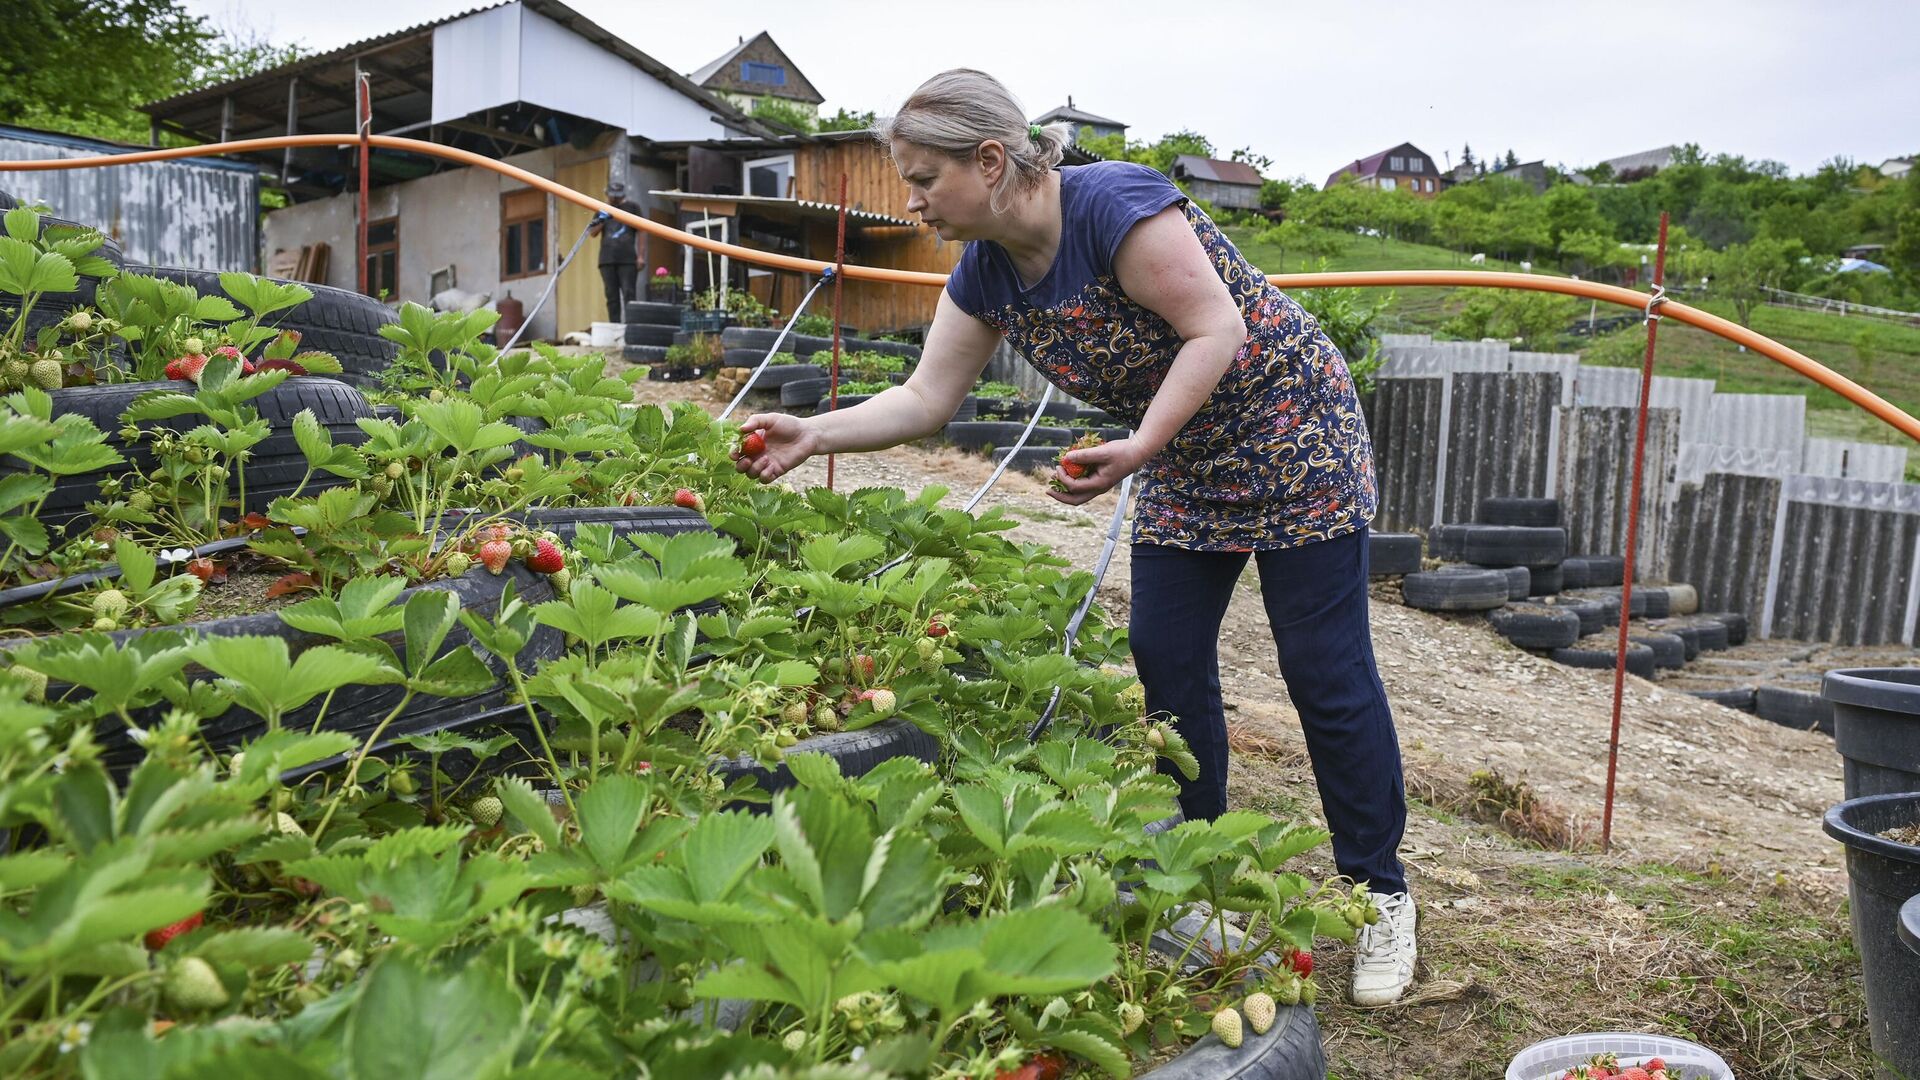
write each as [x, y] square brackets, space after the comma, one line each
[777, 341]
[1100, 565]
[552, 280]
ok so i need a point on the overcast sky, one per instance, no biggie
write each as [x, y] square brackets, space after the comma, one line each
[1314, 86]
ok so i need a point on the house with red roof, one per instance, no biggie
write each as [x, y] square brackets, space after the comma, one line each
[1404, 167]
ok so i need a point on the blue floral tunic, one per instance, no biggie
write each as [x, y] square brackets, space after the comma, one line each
[1277, 457]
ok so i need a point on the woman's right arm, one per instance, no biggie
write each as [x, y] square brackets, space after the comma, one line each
[957, 350]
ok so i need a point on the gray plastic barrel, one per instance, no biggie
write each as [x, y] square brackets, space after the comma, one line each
[1876, 728]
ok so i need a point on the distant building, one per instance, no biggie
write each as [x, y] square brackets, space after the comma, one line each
[1233, 184]
[1643, 164]
[1896, 168]
[1082, 119]
[1533, 173]
[755, 70]
[1404, 167]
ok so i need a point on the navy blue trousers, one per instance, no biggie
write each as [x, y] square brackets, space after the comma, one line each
[1316, 601]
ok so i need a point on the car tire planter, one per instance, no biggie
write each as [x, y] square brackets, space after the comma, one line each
[1392, 553]
[565, 521]
[775, 375]
[1536, 626]
[653, 314]
[1455, 590]
[1518, 580]
[1736, 624]
[857, 752]
[1290, 1050]
[649, 334]
[1512, 545]
[1882, 878]
[356, 709]
[1032, 459]
[1802, 710]
[644, 354]
[1733, 697]
[847, 401]
[88, 284]
[274, 468]
[980, 434]
[1876, 727]
[1598, 653]
[1504, 510]
[1443, 542]
[1668, 650]
[1592, 571]
[1545, 582]
[1593, 615]
[339, 322]
[804, 391]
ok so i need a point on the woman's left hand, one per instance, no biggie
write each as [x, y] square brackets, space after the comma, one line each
[1106, 465]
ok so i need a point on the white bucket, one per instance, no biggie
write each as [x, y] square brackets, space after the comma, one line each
[607, 334]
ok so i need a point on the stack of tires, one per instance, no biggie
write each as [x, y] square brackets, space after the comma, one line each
[650, 331]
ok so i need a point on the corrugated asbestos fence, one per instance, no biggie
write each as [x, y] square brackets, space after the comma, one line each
[1816, 539]
[199, 213]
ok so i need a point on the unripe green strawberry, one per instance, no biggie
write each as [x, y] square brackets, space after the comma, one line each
[583, 895]
[395, 470]
[1157, 737]
[882, 700]
[284, 824]
[487, 811]
[1288, 990]
[1371, 914]
[459, 563]
[926, 647]
[47, 374]
[826, 718]
[1355, 915]
[1131, 1017]
[794, 1040]
[1134, 698]
[1260, 1012]
[193, 346]
[401, 782]
[105, 625]
[1308, 992]
[80, 321]
[561, 580]
[36, 682]
[192, 986]
[110, 604]
[347, 960]
[140, 501]
[1226, 1026]
[237, 762]
[16, 371]
[784, 738]
[795, 713]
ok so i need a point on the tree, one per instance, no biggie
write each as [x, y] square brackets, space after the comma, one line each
[83, 66]
[1903, 255]
[1509, 161]
[1466, 155]
[1743, 271]
[847, 121]
[1260, 162]
[783, 113]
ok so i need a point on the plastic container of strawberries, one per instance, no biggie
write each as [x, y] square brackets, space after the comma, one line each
[1551, 1059]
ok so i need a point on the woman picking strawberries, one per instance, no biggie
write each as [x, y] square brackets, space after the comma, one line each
[1247, 434]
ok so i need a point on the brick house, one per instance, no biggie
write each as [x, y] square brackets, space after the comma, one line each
[1404, 167]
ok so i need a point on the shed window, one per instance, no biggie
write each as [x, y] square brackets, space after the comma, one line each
[771, 74]
[383, 258]
[523, 233]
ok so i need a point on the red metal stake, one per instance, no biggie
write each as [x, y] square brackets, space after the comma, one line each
[363, 107]
[1633, 530]
[839, 274]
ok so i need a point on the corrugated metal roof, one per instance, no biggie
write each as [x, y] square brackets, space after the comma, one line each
[1072, 115]
[707, 71]
[811, 208]
[1220, 172]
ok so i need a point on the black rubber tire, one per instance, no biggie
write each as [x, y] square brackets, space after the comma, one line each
[649, 334]
[995, 406]
[1536, 626]
[1592, 571]
[83, 295]
[776, 375]
[1513, 510]
[980, 434]
[1669, 650]
[1804, 710]
[1518, 580]
[1093, 417]
[356, 709]
[1735, 623]
[1445, 542]
[887, 348]
[1688, 634]
[1545, 581]
[847, 401]
[644, 354]
[1107, 434]
[653, 314]
[1022, 410]
[664, 520]
[967, 413]
[1742, 698]
[1712, 632]
[7, 202]
[1594, 616]
[1290, 1050]
[760, 339]
[1033, 459]
[1649, 601]
[1599, 654]
[52, 310]
[804, 391]
[1512, 545]
[857, 752]
[1392, 553]
[276, 464]
[1460, 589]
[339, 322]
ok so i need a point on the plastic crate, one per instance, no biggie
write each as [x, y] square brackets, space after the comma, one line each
[704, 322]
[1551, 1059]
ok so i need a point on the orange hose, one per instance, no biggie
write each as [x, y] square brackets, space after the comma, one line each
[1612, 294]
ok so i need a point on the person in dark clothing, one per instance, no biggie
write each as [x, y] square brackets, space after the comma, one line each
[619, 254]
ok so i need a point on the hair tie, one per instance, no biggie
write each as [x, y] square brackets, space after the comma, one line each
[1033, 132]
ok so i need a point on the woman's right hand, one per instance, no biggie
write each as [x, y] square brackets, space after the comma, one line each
[790, 441]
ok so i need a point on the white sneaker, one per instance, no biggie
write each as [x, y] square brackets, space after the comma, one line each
[1384, 953]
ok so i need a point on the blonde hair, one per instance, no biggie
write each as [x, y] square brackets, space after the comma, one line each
[955, 111]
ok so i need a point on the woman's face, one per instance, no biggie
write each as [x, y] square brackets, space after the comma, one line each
[950, 195]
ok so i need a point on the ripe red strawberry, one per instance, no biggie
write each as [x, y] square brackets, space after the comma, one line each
[1634, 1072]
[1654, 1064]
[936, 628]
[1302, 962]
[157, 939]
[753, 444]
[186, 368]
[495, 554]
[1074, 469]
[546, 558]
[689, 499]
[231, 353]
